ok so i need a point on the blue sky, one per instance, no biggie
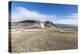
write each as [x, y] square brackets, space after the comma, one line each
[57, 13]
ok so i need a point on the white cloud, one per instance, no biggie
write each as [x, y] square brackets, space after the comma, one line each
[25, 14]
[71, 19]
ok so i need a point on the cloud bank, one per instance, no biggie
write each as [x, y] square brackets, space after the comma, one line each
[21, 13]
[25, 14]
[71, 19]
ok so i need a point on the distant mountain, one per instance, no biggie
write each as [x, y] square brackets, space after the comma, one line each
[39, 24]
[30, 21]
[66, 26]
[49, 24]
[45, 24]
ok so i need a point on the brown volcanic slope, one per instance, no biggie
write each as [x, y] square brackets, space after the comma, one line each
[33, 23]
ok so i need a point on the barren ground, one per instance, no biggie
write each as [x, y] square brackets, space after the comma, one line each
[35, 41]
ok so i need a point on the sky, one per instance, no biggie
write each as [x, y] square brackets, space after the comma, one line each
[56, 13]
